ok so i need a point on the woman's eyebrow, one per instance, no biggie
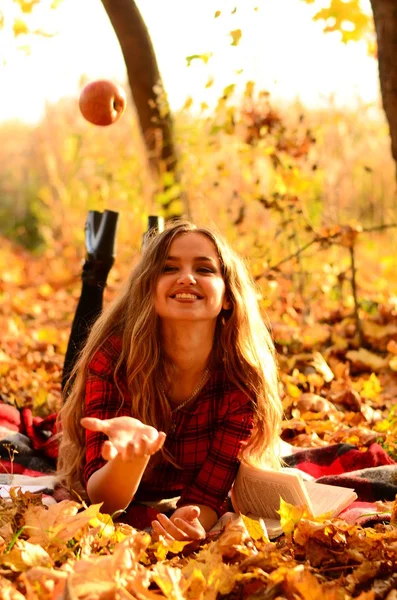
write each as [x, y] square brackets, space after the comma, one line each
[196, 258]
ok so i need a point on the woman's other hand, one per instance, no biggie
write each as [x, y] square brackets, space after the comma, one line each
[184, 524]
[128, 438]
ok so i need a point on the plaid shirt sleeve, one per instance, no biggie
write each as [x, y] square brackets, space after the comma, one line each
[219, 470]
[102, 401]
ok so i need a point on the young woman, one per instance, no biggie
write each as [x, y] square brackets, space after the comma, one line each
[176, 382]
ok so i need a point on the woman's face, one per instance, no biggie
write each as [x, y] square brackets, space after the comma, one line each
[191, 286]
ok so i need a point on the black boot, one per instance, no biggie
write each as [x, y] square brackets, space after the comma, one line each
[100, 240]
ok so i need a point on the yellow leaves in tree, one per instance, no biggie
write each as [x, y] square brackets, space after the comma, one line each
[349, 19]
[27, 6]
[188, 103]
[236, 35]
[20, 27]
[205, 57]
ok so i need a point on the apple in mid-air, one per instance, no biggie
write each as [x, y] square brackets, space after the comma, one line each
[102, 102]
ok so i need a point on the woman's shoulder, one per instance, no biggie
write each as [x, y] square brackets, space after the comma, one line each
[106, 356]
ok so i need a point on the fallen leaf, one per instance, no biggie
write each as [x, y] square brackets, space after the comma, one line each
[58, 523]
[25, 555]
[364, 360]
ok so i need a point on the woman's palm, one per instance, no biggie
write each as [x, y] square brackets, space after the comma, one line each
[127, 437]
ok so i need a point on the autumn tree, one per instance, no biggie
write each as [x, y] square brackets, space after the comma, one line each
[146, 86]
[149, 97]
[380, 32]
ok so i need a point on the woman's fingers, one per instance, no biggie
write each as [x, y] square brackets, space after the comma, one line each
[194, 531]
[95, 424]
[109, 452]
[159, 443]
[165, 526]
[161, 531]
[128, 441]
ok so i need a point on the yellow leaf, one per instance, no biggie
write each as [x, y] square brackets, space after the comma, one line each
[25, 555]
[290, 515]
[8, 591]
[170, 581]
[365, 360]
[188, 103]
[322, 367]
[236, 36]
[204, 57]
[303, 584]
[256, 528]
[48, 335]
[26, 6]
[4, 358]
[197, 585]
[293, 390]
[20, 27]
[163, 547]
[59, 523]
[105, 525]
[371, 388]
[393, 363]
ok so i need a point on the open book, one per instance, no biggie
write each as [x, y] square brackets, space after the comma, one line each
[256, 493]
[26, 483]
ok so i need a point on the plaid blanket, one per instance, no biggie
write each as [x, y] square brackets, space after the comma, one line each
[372, 473]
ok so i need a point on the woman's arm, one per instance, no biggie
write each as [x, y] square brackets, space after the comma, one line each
[127, 452]
[200, 503]
[116, 483]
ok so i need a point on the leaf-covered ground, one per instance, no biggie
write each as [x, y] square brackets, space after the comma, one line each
[335, 387]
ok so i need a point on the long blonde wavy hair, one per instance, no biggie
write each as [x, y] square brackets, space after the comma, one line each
[242, 344]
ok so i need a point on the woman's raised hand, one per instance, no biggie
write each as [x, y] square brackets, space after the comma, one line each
[128, 438]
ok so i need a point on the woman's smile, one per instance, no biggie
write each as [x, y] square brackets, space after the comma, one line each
[191, 285]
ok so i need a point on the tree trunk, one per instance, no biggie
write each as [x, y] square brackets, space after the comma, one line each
[144, 78]
[385, 18]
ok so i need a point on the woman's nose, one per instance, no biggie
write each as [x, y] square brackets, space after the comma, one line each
[186, 278]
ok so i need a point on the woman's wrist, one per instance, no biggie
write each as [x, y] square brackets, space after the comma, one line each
[116, 483]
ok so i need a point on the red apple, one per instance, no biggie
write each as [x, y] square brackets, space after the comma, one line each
[102, 102]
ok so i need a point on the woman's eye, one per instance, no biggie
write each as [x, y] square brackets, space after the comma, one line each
[205, 270]
[169, 269]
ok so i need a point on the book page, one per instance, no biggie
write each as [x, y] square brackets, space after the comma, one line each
[257, 492]
[329, 498]
[5, 489]
[273, 527]
[47, 481]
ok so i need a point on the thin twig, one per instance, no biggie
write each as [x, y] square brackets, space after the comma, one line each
[354, 291]
[379, 227]
[319, 239]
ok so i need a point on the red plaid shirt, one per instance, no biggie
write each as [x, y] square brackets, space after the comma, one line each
[207, 439]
